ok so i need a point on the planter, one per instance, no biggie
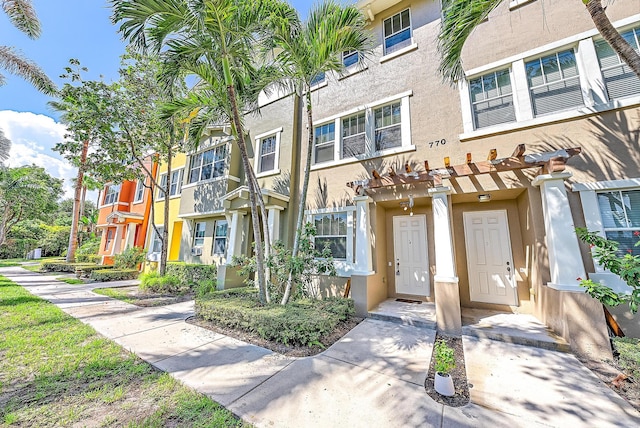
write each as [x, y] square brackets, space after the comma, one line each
[443, 384]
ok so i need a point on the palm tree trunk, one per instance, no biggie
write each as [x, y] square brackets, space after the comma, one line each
[73, 236]
[303, 196]
[611, 35]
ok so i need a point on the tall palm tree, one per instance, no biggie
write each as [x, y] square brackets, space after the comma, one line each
[461, 17]
[306, 51]
[223, 36]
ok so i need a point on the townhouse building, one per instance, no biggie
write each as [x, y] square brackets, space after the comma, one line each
[464, 195]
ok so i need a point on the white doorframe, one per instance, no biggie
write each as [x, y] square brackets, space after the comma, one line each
[411, 259]
[490, 269]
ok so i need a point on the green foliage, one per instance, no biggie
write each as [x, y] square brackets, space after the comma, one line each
[308, 263]
[444, 356]
[86, 270]
[88, 251]
[629, 355]
[192, 274]
[206, 286]
[55, 240]
[103, 275]
[169, 284]
[62, 266]
[303, 322]
[627, 267]
[130, 258]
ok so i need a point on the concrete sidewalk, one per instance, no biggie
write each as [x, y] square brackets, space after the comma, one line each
[373, 377]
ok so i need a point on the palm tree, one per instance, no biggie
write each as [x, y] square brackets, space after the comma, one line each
[23, 16]
[5, 146]
[461, 17]
[306, 51]
[221, 37]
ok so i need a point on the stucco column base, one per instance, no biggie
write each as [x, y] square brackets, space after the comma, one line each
[360, 295]
[587, 326]
[228, 277]
[448, 314]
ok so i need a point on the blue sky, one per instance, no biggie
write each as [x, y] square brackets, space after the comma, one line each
[78, 29]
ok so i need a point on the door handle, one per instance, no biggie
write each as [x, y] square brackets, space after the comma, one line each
[397, 266]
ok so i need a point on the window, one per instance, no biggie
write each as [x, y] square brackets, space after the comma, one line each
[156, 243]
[220, 238]
[397, 32]
[387, 126]
[318, 79]
[198, 234]
[139, 191]
[208, 164]
[267, 161]
[111, 195]
[492, 99]
[619, 80]
[554, 83]
[353, 135]
[324, 142]
[620, 212]
[350, 58]
[174, 187]
[109, 239]
[331, 231]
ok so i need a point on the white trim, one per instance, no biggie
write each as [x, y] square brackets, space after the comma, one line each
[135, 192]
[268, 133]
[514, 4]
[360, 158]
[607, 185]
[197, 215]
[350, 71]
[220, 178]
[258, 148]
[395, 54]
[359, 108]
[344, 267]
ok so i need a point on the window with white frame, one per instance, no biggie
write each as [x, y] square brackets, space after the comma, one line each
[267, 156]
[318, 79]
[208, 164]
[139, 191]
[220, 238]
[619, 79]
[353, 135]
[620, 213]
[397, 32]
[198, 233]
[388, 132]
[176, 183]
[554, 83]
[108, 239]
[331, 232]
[492, 99]
[111, 195]
[324, 142]
[350, 58]
[156, 242]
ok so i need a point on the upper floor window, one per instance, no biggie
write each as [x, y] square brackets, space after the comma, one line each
[492, 99]
[220, 238]
[318, 79]
[112, 194]
[353, 135]
[139, 191]
[208, 164]
[620, 213]
[198, 234]
[324, 141]
[156, 242]
[174, 187]
[619, 79]
[388, 132]
[554, 83]
[350, 58]
[331, 231]
[397, 32]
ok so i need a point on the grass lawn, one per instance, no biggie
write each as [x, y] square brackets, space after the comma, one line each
[56, 371]
[32, 268]
[116, 293]
[72, 281]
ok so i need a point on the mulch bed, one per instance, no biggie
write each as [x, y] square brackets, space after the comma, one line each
[289, 351]
[459, 375]
[608, 371]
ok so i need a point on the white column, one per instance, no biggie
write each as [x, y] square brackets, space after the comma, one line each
[442, 236]
[590, 76]
[116, 248]
[565, 261]
[363, 254]
[273, 221]
[235, 234]
[131, 235]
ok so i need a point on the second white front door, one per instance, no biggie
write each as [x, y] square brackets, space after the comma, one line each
[489, 261]
[411, 264]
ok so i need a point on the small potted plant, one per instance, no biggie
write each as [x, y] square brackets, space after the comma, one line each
[444, 362]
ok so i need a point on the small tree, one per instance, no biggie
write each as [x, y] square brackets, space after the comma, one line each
[444, 356]
[626, 266]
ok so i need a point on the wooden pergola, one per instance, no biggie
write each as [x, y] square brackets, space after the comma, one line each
[549, 162]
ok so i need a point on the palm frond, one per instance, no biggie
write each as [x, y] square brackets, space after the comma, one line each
[5, 147]
[23, 16]
[15, 63]
[459, 19]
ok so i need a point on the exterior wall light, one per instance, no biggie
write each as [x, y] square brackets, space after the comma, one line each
[484, 198]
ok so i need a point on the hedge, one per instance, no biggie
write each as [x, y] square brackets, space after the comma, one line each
[61, 266]
[89, 258]
[168, 284]
[303, 322]
[103, 275]
[86, 270]
[191, 274]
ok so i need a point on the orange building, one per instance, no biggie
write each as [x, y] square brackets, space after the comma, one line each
[124, 216]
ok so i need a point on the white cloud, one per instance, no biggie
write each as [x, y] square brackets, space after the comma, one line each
[33, 136]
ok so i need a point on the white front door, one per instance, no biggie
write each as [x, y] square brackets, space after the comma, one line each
[489, 261]
[411, 264]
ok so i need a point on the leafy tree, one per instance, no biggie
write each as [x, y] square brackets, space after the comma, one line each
[26, 192]
[308, 50]
[54, 240]
[461, 17]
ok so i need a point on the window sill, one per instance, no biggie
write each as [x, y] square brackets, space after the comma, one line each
[361, 158]
[138, 202]
[514, 4]
[211, 180]
[388, 57]
[112, 204]
[549, 119]
[268, 173]
[319, 85]
[354, 69]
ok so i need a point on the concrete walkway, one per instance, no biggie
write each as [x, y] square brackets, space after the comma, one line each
[372, 377]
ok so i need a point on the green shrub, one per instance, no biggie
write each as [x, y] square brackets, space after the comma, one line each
[62, 266]
[88, 252]
[103, 275]
[206, 286]
[445, 360]
[191, 274]
[304, 322]
[629, 358]
[152, 281]
[86, 270]
[130, 258]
